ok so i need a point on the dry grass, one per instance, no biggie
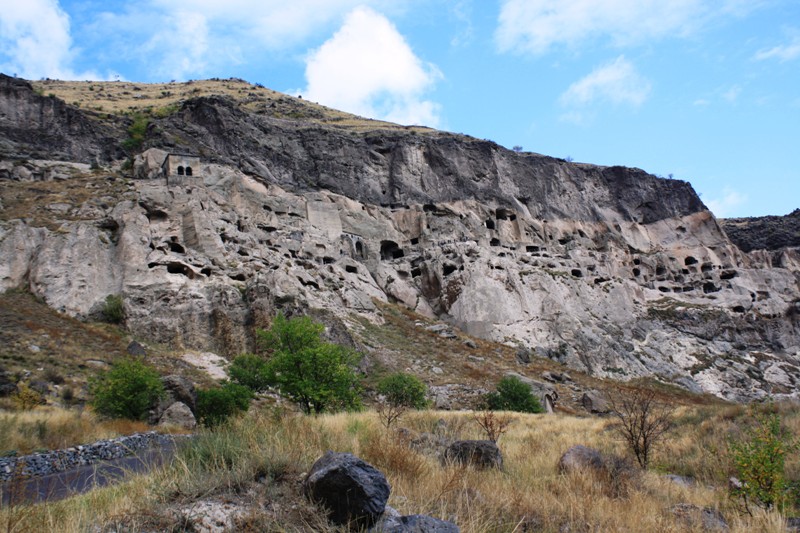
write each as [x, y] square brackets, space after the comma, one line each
[260, 461]
[48, 428]
[161, 99]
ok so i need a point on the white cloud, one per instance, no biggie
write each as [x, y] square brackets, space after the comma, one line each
[535, 26]
[724, 206]
[182, 46]
[732, 94]
[35, 41]
[783, 53]
[196, 38]
[616, 82]
[367, 68]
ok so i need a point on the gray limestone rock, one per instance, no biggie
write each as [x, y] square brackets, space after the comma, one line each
[178, 414]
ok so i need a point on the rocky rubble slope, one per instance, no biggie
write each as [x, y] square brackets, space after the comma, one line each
[764, 233]
[609, 270]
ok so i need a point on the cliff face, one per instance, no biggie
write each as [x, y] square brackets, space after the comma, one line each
[607, 269]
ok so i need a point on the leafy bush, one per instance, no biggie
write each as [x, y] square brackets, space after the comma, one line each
[513, 395]
[759, 461]
[250, 370]
[113, 309]
[403, 390]
[136, 132]
[128, 390]
[318, 375]
[216, 405]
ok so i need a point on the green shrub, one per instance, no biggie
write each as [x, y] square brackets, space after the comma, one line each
[759, 461]
[216, 405]
[136, 132]
[113, 309]
[403, 390]
[128, 390]
[249, 370]
[513, 395]
[319, 376]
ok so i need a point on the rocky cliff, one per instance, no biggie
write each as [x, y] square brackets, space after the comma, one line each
[609, 270]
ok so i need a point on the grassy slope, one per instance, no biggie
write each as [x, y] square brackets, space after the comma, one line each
[122, 97]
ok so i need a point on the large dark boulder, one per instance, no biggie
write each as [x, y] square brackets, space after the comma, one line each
[353, 491]
[478, 453]
[416, 524]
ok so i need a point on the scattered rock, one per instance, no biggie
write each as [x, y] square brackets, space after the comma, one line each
[523, 355]
[416, 524]
[478, 453]
[178, 414]
[704, 518]
[353, 491]
[7, 387]
[213, 364]
[33, 348]
[594, 402]
[618, 475]
[579, 458]
[137, 350]
[430, 444]
[683, 481]
[469, 343]
[211, 516]
[793, 524]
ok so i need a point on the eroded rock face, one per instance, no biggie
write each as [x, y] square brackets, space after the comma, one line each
[608, 270]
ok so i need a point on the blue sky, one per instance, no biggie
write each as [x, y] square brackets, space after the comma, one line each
[706, 91]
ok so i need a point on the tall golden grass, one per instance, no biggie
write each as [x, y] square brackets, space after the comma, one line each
[50, 427]
[260, 461]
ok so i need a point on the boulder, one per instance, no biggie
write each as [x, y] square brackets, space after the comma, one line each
[178, 414]
[478, 453]
[416, 524]
[353, 491]
[594, 402]
[581, 458]
[176, 389]
[700, 518]
[135, 349]
[180, 389]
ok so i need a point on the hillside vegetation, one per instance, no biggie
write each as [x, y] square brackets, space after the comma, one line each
[256, 465]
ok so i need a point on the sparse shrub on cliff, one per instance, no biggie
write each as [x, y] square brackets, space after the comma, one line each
[136, 132]
[113, 308]
[128, 390]
[513, 395]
